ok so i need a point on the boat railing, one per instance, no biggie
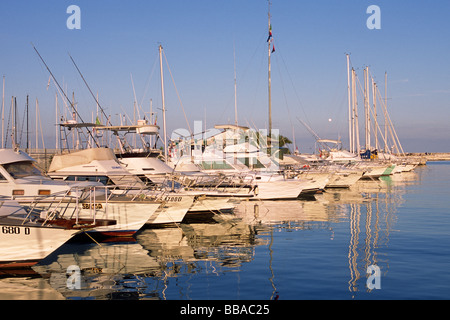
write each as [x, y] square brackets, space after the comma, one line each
[68, 203]
[216, 182]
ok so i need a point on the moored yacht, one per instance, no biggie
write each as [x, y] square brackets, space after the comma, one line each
[68, 201]
[101, 164]
[24, 242]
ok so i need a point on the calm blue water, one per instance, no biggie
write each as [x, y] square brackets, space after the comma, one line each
[290, 250]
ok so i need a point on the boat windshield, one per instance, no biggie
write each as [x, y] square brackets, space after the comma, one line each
[215, 165]
[22, 169]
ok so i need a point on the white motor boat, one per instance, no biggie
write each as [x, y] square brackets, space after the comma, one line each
[24, 242]
[101, 164]
[72, 200]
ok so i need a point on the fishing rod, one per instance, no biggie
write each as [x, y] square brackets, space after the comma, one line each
[67, 98]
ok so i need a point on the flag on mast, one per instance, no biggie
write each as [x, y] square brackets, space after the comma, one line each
[270, 33]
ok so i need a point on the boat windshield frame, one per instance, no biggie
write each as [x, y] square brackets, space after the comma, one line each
[22, 169]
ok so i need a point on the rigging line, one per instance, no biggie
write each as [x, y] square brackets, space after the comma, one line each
[58, 91]
[295, 91]
[147, 85]
[244, 74]
[179, 99]
[134, 94]
[73, 108]
[92, 94]
[284, 93]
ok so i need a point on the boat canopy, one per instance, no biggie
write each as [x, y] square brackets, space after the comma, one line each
[81, 157]
[11, 156]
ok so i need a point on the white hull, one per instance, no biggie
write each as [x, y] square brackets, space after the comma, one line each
[212, 204]
[344, 179]
[374, 171]
[283, 189]
[314, 181]
[173, 209]
[404, 168]
[28, 244]
[129, 216]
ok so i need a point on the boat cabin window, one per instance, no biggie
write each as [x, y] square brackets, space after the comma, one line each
[252, 163]
[22, 169]
[102, 179]
[215, 165]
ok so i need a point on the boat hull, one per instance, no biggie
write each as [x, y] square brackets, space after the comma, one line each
[344, 179]
[278, 190]
[212, 204]
[128, 216]
[24, 245]
[173, 209]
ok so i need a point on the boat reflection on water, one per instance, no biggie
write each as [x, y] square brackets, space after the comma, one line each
[105, 270]
[163, 262]
[371, 222]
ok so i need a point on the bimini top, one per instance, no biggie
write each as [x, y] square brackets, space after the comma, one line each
[80, 157]
[11, 156]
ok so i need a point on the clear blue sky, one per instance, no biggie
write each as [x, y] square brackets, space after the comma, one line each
[118, 39]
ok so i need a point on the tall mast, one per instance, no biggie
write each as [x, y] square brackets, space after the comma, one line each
[375, 116]
[26, 148]
[385, 108]
[3, 113]
[355, 111]
[56, 121]
[269, 83]
[235, 97]
[367, 107]
[350, 137]
[36, 125]
[163, 103]
[14, 113]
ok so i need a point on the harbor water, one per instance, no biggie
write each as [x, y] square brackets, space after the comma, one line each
[386, 239]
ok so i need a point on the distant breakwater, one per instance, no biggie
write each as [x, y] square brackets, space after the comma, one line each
[432, 156]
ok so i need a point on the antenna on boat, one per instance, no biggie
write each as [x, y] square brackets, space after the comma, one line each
[64, 93]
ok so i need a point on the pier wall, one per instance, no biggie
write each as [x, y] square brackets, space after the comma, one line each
[432, 156]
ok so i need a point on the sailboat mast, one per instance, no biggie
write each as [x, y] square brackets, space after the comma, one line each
[3, 113]
[269, 81]
[355, 112]
[385, 106]
[26, 148]
[235, 88]
[367, 107]
[163, 103]
[375, 116]
[56, 121]
[14, 113]
[350, 137]
[36, 125]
